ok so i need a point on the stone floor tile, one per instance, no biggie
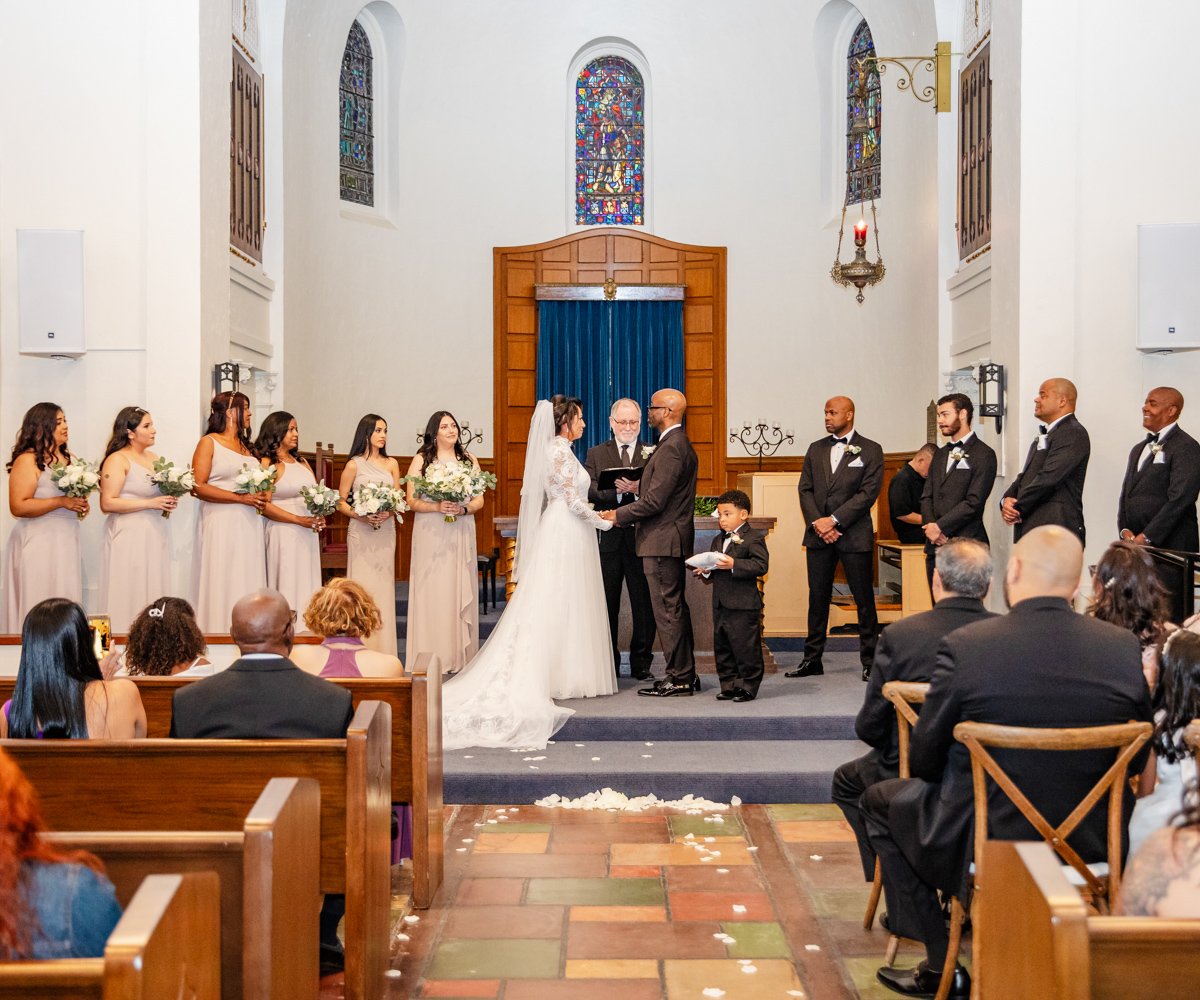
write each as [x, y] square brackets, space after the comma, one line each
[710, 878]
[803, 811]
[617, 914]
[511, 842]
[596, 891]
[614, 833]
[815, 831]
[584, 989]
[686, 980]
[720, 906]
[489, 891]
[536, 866]
[634, 871]
[681, 825]
[460, 988]
[498, 958]
[679, 854]
[643, 940]
[504, 922]
[579, 847]
[756, 940]
[611, 968]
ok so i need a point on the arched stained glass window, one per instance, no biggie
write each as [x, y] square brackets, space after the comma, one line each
[355, 120]
[610, 143]
[862, 154]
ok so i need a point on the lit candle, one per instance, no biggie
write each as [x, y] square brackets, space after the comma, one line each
[860, 232]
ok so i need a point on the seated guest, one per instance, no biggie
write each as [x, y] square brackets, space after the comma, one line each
[1172, 766]
[904, 496]
[165, 641]
[57, 904]
[344, 614]
[961, 579]
[264, 695]
[1163, 877]
[60, 691]
[1127, 592]
[1040, 665]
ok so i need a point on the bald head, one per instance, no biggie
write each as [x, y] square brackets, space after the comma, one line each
[667, 407]
[1162, 407]
[839, 415]
[262, 623]
[1046, 562]
[1056, 398]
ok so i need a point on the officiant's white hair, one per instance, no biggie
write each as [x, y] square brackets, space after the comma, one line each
[632, 402]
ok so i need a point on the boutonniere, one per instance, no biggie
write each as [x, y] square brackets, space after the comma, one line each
[735, 538]
[648, 450]
[957, 455]
[854, 449]
[1156, 448]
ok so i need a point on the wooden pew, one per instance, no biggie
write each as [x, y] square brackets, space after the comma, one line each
[1038, 941]
[416, 703]
[270, 894]
[208, 785]
[166, 944]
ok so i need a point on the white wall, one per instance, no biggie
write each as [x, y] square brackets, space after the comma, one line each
[396, 317]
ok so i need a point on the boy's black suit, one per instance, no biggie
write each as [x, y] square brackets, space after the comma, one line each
[737, 609]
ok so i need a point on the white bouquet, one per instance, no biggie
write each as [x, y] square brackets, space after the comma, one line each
[255, 479]
[319, 499]
[456, 482]
[172, 480]
[75, 478]
[378, 498]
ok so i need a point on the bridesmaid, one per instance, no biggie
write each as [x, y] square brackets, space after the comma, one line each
[293, 552]
[443, 608]
[371, 540]
[43, 558]
[230, 551]
[135, 564]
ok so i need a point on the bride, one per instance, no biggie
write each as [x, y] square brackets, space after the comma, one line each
[552, 640]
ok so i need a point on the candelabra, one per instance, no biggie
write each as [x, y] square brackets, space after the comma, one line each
[465, 435]
[761, 439]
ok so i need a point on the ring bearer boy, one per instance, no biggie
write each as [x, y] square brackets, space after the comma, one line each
[737, 603]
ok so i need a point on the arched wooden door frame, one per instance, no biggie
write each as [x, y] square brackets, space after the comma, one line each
[592, 257]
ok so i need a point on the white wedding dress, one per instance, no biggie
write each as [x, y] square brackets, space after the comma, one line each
[552, 641]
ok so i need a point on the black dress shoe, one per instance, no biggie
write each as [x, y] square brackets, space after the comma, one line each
[742, 696]
[809, 668]
[728, 695]
[665, 689]
[695, 683]
[642, 675]
[866, 674]
[923, 981]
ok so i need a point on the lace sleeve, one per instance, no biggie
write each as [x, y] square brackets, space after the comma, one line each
[561, 485]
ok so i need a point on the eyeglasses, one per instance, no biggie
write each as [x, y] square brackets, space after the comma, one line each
[658, 408]
[627, 423]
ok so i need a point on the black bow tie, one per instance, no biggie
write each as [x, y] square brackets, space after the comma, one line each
[1150, 438]
[834, 439]
[1043, 429]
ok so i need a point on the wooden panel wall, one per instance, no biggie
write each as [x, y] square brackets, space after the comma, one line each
[592, 257]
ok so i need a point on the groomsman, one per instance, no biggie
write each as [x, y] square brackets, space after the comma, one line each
[960, 480]
[841, 480]
[1049, 489]
[664, 513]
[618, 553]
[1162, 479]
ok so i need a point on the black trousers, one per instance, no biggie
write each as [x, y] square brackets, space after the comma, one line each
[667, 577]
[333, 908]
[619, 565]
[737, 648]
[930, 563]
[849, 782]
[912, 903]
[822, 562]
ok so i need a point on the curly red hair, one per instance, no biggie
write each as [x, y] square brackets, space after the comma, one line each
[21, 829]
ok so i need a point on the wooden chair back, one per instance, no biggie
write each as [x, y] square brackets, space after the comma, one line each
[333, 538]
[166, 944]
[904, 695]
[211, 785]
[269, 887]
[1127, 739]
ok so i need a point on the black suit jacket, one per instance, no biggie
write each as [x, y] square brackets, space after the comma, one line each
[904, 497]
[261, 700]
[665, 509]
[737, 588]
[607, 455]
[906, 652]
[1040, 665]
[1159, 500]
[1049, 489]
[847, 493]
[955, 500]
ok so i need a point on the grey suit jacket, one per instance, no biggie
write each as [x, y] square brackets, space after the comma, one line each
[665, 510]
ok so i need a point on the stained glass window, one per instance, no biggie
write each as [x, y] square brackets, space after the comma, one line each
[610, 175]
[862, 153]
[356, 120]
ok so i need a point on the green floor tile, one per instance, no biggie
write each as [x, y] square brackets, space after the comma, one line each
[862, 973]
[681, 826]
[844, 904]
[596, 891]
[801, 811]
[515, 828]
[756, 940]
[496, 958]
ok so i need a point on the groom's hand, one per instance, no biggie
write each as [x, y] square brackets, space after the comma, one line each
[608, 515]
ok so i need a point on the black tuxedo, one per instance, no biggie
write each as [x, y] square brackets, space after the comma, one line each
[1040, 665]
[664, 514]
[1049, 489]
[906, 652]
[955, 500]
[619, 560]
[737, 610]
[846, 493]
[1159, 499]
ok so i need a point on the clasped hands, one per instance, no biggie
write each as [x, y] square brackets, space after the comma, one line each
[934, 534]
[826, 529]
[1009, 512]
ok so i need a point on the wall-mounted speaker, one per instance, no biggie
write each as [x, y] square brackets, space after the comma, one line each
[1168, 293]
[50, 292]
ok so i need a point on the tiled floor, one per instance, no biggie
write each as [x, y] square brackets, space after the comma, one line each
[764, 901]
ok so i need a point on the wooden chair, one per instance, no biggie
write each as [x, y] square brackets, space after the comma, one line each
[270, 893]
[1040, 942]
[166, 944]
[333, 539]
[903, 695]
[978, 738]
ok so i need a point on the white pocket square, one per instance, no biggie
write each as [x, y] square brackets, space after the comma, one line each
[1043, 442]
[856, 464]
[963, 464]
[1160, 459]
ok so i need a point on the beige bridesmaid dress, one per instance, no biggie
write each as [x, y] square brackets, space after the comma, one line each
[136, 559]
[293, 552]
[371, 559]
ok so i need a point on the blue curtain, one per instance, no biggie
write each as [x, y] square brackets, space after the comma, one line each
[601, 351]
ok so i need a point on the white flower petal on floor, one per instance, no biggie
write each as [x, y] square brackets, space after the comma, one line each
[713, 991]
[739, 908]
[812, 947]
[608, 798]
[815, 857]
[750, 969]
[722, 871]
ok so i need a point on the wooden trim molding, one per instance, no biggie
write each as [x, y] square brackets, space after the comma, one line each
[611, 292]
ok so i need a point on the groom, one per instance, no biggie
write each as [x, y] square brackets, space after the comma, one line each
[664, 513]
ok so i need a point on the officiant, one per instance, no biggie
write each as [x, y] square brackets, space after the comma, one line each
[618, 559]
